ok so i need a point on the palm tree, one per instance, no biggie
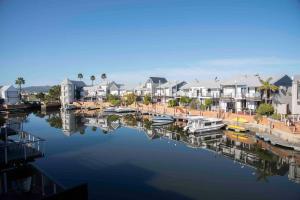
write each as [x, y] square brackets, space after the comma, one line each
[20, 81]
[103, 76]
[80, 76]
[266, 88]
[92, 79]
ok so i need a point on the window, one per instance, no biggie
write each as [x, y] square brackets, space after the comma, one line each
[207, 124]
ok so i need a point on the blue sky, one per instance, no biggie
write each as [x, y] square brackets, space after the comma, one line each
[129, 40]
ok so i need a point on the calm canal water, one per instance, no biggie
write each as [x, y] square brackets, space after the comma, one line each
[123, 158]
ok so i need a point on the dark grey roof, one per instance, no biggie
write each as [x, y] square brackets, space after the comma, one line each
[158, 80]
[78, 83]
[284, 80]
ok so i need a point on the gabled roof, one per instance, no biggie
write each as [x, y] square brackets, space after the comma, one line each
[202, 83]
[8, 87]
[253, 80]
[158, 80]
[77, 83]
[249, 80]
[171, 84]
[283, 80]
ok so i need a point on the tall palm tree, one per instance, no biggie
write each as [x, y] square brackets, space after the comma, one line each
[80, 76]
[20, 81]
[93, 78]
[267, 88]
[103, 76]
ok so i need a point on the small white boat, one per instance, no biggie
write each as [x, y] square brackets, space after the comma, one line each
[124, 110]
[110, 109]
[162, 119]
[159, 124]
[199, 124]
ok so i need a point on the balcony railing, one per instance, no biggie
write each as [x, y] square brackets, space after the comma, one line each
[212, 95]
[253, 95]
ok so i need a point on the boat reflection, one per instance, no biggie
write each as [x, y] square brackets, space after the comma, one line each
[244, 149]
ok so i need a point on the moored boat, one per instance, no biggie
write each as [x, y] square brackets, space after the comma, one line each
[110, 109]
[200, 124]
[124, 110]
[163, 119]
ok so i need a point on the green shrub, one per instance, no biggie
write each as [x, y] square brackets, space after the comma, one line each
[113, 118]
[276, 116]
[115, 102]
[203, 107]
[265, 109]
[147, 99]
[208, 102]
[130, 98]
[195, 103]
[172, 103]
[185, 100]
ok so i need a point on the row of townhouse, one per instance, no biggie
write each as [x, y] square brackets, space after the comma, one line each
[72, 91]
[159, 88]
[242, 93]
[239, 93]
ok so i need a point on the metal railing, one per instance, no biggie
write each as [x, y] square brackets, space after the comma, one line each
[20, 146]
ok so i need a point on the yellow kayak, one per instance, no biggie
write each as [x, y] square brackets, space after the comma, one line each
[236, 128]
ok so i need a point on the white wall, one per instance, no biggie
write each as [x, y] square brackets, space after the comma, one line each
[229, 91]
[296, 97]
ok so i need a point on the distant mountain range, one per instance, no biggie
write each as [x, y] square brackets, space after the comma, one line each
[37, 89]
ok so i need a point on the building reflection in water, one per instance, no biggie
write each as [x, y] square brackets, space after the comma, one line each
[244, 149]
[19, 178]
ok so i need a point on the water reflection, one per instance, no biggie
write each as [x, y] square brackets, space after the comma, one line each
[244, 149]
[19, 177]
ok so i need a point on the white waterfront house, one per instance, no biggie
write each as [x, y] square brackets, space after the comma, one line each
[10, 94]
[71, 91]
[240, 93]
[169, 90]
[100, 91]
[150, 86]
[201, 90]
[295, 108]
